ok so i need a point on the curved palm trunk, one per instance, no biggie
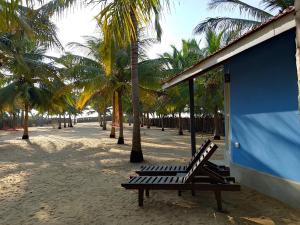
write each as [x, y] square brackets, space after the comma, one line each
[216, 124]
[113, 129]
[26, 118]
[120, 111]
[180, 131]
[59, 122]
[297, 18]
[70, 120]
[136, 151]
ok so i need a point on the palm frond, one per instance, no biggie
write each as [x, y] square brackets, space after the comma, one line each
[226, 23]
[244, 8]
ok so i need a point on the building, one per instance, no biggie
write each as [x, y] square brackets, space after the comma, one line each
[261, 106]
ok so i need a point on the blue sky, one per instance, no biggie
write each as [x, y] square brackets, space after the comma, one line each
[177, 24]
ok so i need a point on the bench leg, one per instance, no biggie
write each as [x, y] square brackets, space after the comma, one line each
[147, 193]
[141, 197]
[179, 193]
[219, 200]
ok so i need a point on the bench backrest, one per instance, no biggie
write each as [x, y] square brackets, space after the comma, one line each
[197, 155]
[199, 164]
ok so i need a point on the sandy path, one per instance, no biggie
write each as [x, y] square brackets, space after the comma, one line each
[73, 176]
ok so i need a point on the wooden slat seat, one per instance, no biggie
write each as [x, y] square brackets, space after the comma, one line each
[172, 170]
[190, 180]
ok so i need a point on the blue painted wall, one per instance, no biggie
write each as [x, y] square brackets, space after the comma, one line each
[264, 112]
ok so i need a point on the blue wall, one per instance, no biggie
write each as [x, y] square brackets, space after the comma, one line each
[264, 112]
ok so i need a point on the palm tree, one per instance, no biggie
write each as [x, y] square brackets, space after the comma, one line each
[119, 22]
[114, 84]
[253, 16]
[210, 86]
[28, 80]
[175, 63]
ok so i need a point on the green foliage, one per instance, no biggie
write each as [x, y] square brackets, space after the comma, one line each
[250, 16]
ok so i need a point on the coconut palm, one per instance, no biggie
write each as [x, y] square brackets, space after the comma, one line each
[28, 80]
[252, 16]
[119, 22]
[210, 86]
[176, 62]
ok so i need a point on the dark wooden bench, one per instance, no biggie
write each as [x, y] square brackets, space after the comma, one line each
[172, 170]
[190, 181]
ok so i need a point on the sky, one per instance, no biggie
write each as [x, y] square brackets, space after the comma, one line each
[177, 23]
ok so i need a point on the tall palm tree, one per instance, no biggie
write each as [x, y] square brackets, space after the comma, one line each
[251, 16]
[119, 22]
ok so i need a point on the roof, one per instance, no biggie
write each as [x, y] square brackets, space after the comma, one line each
[273, 27]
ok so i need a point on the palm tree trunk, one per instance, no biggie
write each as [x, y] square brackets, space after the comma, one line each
[113, 129]
[65, 125]
[99, 118]
[22, 118]
[121, 133]
[136, 151]
[59, 122]
[70, 120]
[162, 123]
[148, 120]
[297, 18]
[75, 119]
[14, 120]
[25, 134]
[142, 120]
[104, 119]
[180, 131]
[216, 124]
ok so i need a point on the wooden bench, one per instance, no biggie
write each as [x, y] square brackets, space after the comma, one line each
[190, 181]
[172, 170]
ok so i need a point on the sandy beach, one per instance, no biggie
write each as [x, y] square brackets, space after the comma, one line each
[73, 176]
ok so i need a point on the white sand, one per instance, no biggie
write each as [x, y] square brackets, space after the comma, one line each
[73, 176]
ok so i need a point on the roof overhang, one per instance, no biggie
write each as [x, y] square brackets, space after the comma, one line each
[251, 39]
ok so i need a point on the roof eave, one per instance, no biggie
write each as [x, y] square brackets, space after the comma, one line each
[262, 34]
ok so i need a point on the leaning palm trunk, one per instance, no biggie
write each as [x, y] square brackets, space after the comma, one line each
[120, 111]
[25, 134]
[297, 8]
[216, 124]
[180, 131]
[113, 129]
[136, 151]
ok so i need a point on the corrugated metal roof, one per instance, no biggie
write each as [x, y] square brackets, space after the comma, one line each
[284, 13]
